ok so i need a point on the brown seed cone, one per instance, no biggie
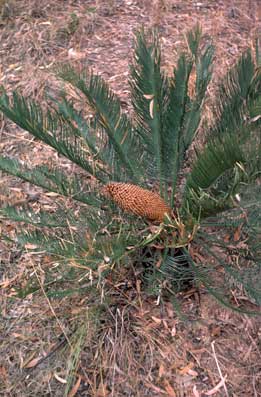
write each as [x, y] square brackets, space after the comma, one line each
[136, 200]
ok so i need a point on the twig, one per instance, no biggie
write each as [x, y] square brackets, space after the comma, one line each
[254, 386]
[2, 127]
[219, 370]
[59, 344]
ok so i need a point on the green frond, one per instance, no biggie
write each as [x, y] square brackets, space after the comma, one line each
[183, 113]
[59, 282]
[79, 126]
[50, 129]
[223, 221]
[231, 107]
[102, 151]
[178, 271]
[219, 164]
[220, 287]
[60, 218]
[202, 60]
[67, 247]
[109, 117]
[55, 243]
[193, 38]
[233, 155]
[251, 204]
[174, 118]
[249, 281]
[244, 219]
[91, 243]
[203, 66]
[53, 180]
[149, 95]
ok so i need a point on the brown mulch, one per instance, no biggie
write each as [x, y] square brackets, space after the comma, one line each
[145, 350]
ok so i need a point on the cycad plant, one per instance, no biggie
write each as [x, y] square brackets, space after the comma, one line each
[152, 194]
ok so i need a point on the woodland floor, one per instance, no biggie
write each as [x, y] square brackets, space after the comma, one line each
[143, 349]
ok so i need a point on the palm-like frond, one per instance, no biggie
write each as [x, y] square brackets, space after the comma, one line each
[174, 119]
[149, 96]
[203, 59]
[221, 158]
[53, 180]
[42, 219]
[251, 203]
[247, 278]
[109, 116]
[56, 243]
[78, 125]
[243, 225]
[49, 129]
[232, 155]
[232, 104]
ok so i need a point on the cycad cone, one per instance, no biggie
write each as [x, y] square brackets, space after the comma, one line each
[139, 201]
